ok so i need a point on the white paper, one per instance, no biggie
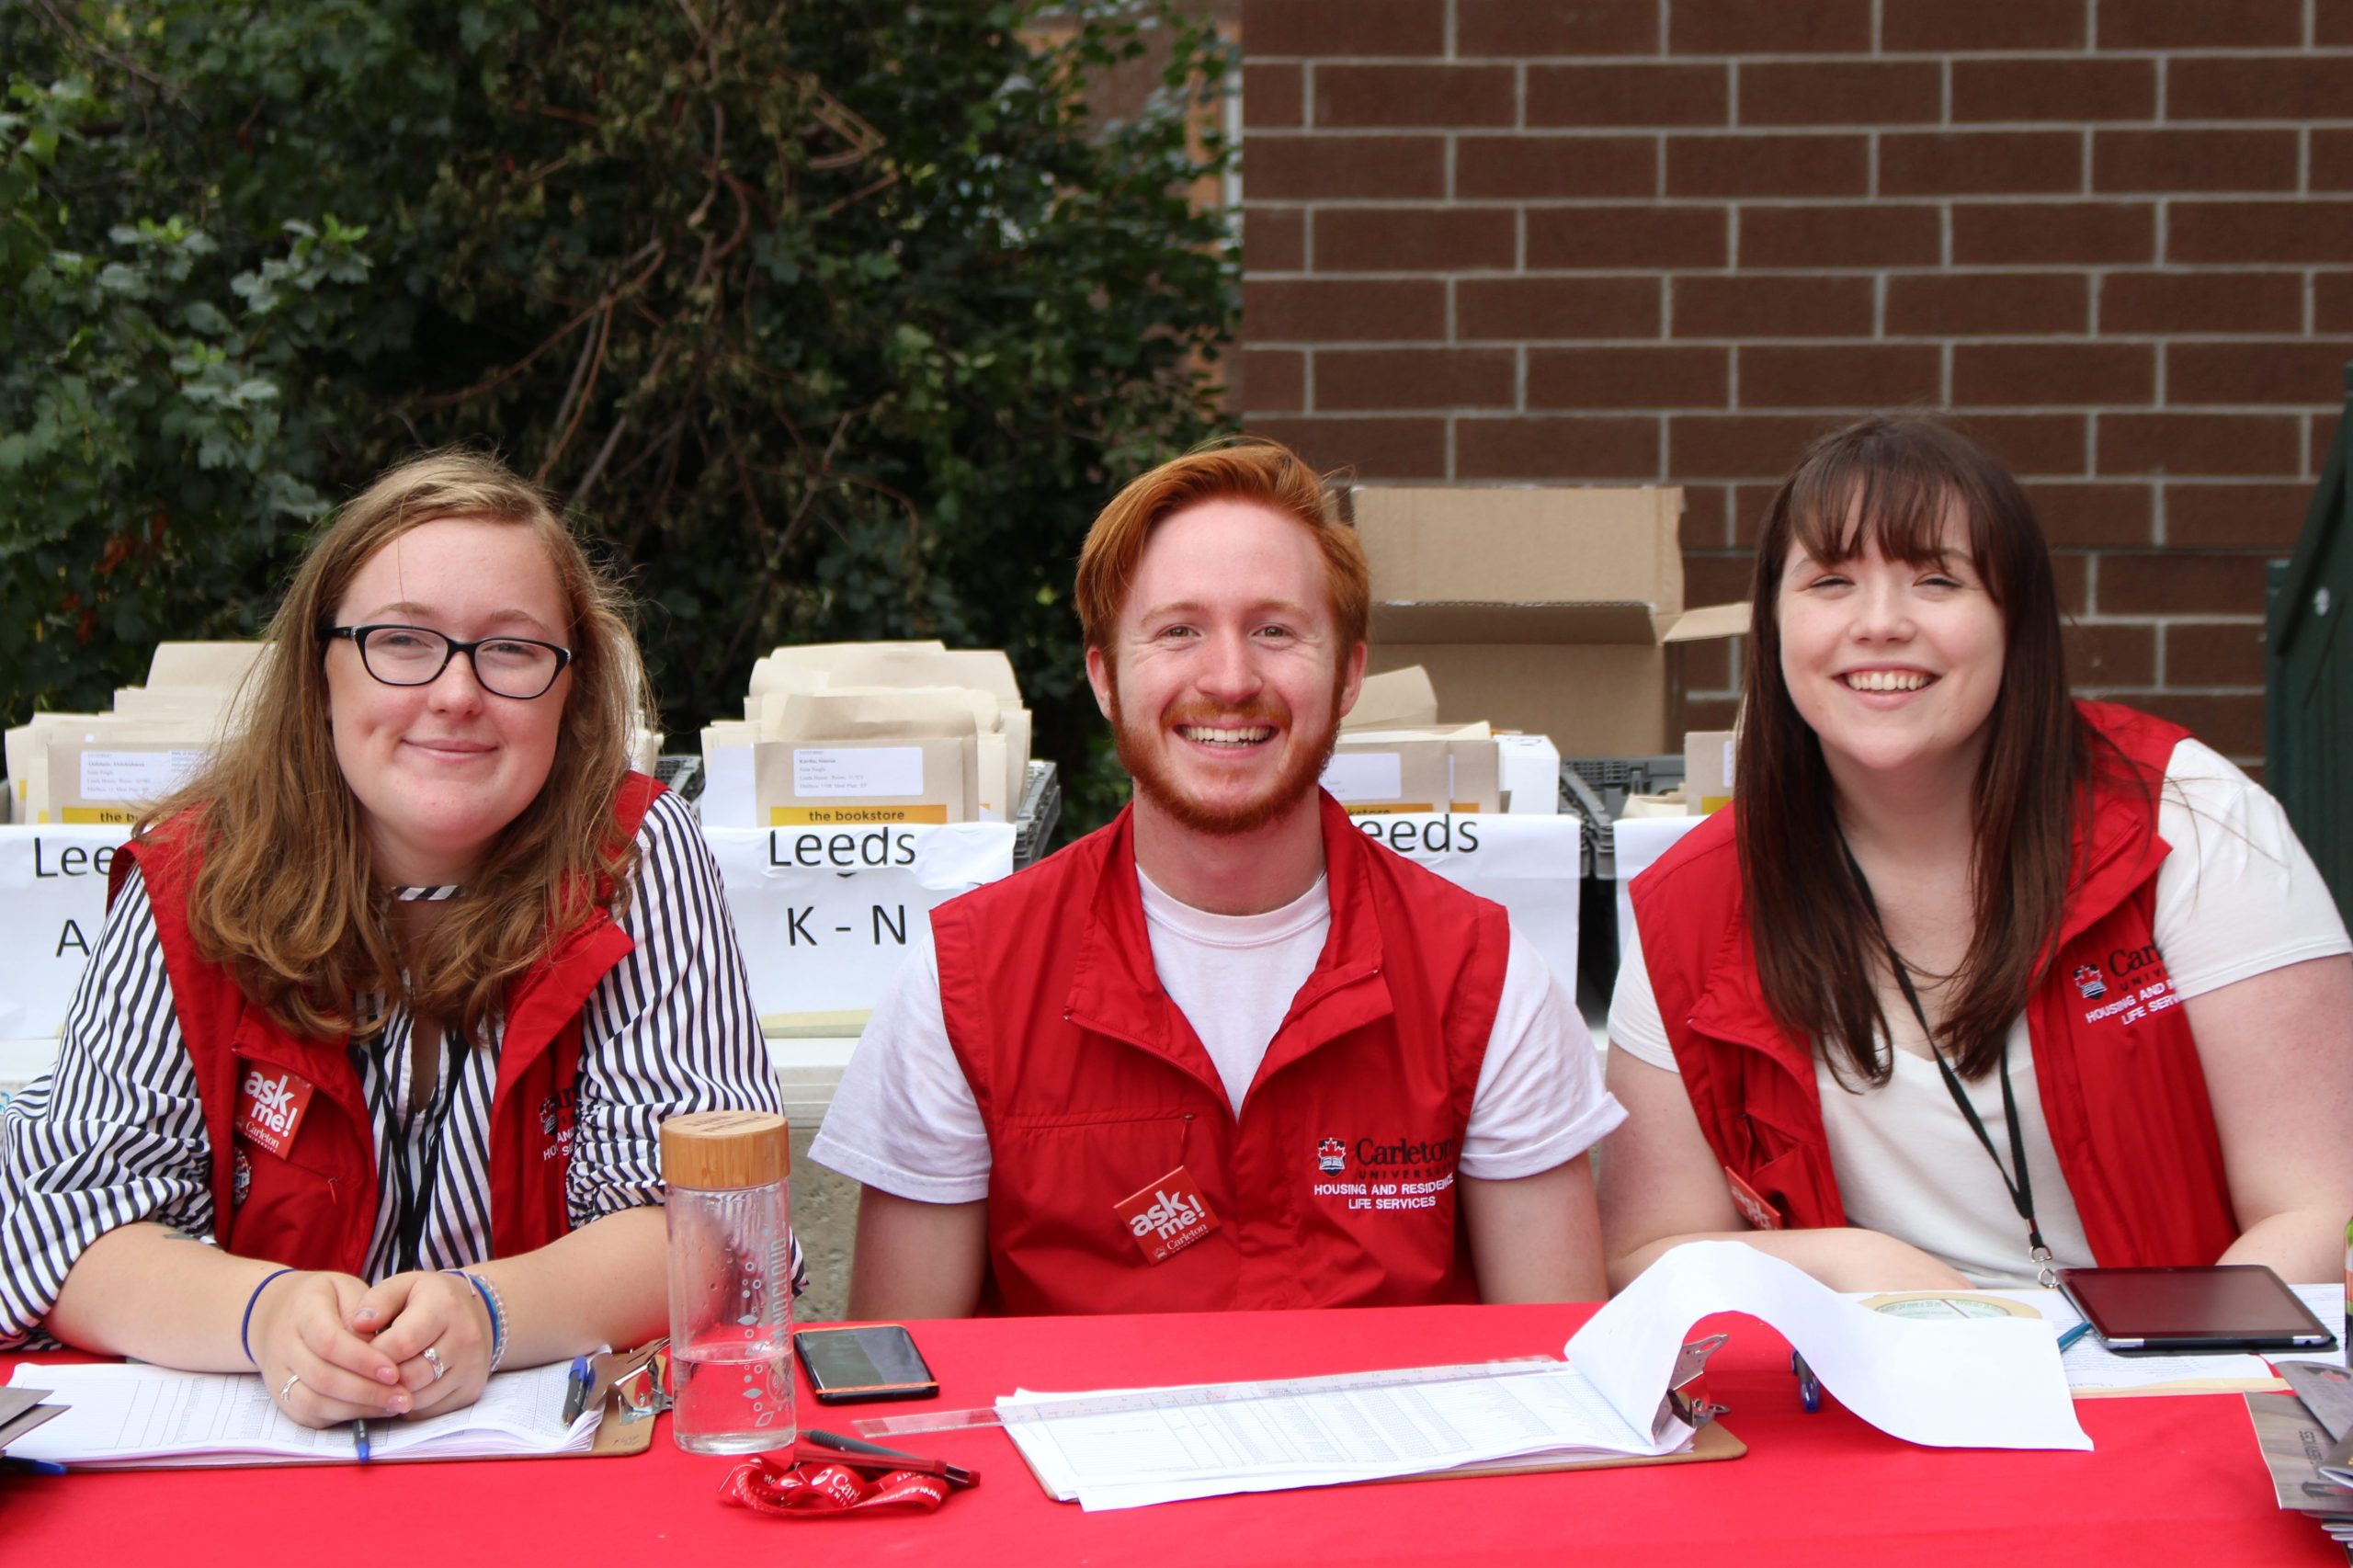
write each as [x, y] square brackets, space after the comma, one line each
[1527, 864]
[1979, 1383]
[1636, 844]
[136, 776]
[864, 772]
[1365, 776]
[145, 1418]
[52, 905]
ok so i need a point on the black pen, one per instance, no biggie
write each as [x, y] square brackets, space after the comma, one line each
[956, 1475]
[359, 1440]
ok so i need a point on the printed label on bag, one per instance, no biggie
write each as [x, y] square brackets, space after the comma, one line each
[270, 1106]
[1166, 1217]
[1753, 1208]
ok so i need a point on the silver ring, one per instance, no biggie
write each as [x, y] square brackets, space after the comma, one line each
[288, 1388]
[433, 1357]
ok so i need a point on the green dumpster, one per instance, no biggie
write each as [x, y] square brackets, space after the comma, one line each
[2308, 678]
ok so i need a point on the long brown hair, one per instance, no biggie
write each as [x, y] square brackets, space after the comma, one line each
[1893, 481]
[287, 893]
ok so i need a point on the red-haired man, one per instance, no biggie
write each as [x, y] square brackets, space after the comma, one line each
[1229, 1051]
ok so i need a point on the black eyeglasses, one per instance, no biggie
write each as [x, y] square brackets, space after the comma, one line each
[518, 667]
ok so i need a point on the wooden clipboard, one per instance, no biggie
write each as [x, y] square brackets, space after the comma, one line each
[1709, 1444]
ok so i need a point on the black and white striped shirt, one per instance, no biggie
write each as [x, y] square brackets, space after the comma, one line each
[115, 1132]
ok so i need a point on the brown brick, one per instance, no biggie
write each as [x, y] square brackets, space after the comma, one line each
[1556, 167]
[2168, 302]
[2109, 655]
[1525, 29]
[1750, 306]
[1626, 237]
[2215, 654]
[2070, 574]
[1878, 92]
[2237, 517]
[2054, 234]
[1372, 448]
[1967, 161]
[1747, 166]
[1372, 95]
[1702, 526]
[1324, 309]
[2272, 232]
[1274, 239]
[2320, 434]
[2232, 725]
[1749, 504]
[1785, 27]
[2305, 372]
[2199, 24]
[1708, 666]
[1556, 448]
[1741, 445]
[1629, 377]
[1270, 380]
[1964, 27]
[2171, 161]
[1373, 380]
[2047, 445]
[2332, 302]
[1273, 94]
[2290, 87]
[1416, 239]
[1995, 375]
[1879, 234]
[1309, 168]
[2332, 160]
[2179, 582]
[1344, 27]
[2071, 90]
[1629, 94]
[1713, 578]
[2332, 23]
[1858, 375]
[1534, 309]
[1963, 305]
[2081, 512]
[2219, 444]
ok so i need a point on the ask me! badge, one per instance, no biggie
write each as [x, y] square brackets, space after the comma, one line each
[1166, 1217]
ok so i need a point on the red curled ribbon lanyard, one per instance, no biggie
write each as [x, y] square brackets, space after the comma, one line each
[824, 1488]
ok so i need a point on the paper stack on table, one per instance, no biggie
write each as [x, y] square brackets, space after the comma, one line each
[1984, 1383]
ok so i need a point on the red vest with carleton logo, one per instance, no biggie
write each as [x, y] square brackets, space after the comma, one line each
[310, 1200]
[1333, 1188]
[2119, 1074]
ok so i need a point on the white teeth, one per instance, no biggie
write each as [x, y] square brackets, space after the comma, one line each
[1208, 736]
[1885, 680]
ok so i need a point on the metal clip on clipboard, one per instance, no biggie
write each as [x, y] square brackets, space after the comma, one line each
[1686, 1395]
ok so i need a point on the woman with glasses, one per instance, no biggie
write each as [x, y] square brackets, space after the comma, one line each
[1971, 978]
[361, 1086]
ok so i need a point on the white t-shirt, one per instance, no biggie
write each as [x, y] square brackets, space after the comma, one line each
[2238, 896]
[904, 1119]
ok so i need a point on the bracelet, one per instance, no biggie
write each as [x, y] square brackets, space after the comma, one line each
[495, 1306]
[246, 1326]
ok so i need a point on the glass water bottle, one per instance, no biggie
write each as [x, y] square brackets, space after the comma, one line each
[731, 1281]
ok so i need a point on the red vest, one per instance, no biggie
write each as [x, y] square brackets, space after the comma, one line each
[1334, 1187]
[2117, 1072]
[313, 1204]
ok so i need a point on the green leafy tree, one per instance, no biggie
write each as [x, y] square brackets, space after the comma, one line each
[837, 320]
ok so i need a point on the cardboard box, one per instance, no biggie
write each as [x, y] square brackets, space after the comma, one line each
[1554, 611]
[1708, 770]
[1402, 771]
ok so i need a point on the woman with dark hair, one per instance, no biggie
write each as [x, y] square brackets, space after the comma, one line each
[1972, 979]
[394, 997]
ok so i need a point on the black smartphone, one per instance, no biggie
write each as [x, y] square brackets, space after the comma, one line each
[2177, 1311]
[878, 1361]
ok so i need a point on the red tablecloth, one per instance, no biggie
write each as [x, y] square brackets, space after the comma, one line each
[2172, 1480]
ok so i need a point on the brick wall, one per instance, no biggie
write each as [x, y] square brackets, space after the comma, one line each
[1672, 240]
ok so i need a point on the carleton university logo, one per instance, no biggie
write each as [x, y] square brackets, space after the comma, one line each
[1330, 1156]
[2088, 982]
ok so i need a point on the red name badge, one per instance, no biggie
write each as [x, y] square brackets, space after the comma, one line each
[1753, 1208]
[1166, 1217]
[270, 1105]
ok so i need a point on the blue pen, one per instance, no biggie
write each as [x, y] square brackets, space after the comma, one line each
[359, 1440]
[2069, 1336]
[13, 1466]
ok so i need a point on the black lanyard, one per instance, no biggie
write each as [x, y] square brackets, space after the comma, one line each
[415, 1194]
[2021, 1190]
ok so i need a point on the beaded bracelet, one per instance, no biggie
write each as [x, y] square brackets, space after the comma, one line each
[246, 1326]
[493, 1303]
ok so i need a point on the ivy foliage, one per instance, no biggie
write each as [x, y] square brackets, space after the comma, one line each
[833, 319]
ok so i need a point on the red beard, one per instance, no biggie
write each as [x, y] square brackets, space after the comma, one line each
[1143, 754]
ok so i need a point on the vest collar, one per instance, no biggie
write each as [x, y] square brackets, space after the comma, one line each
[1115, 991]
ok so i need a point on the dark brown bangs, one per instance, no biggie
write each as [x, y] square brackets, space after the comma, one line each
[1859, 499]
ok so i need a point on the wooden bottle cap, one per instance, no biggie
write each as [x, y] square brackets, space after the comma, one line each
[713, 1151]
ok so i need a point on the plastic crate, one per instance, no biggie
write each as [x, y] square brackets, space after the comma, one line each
[1595, 789]
[682, 771]
[1042, 810]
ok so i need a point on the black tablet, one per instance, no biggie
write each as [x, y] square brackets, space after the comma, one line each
[2177, 1311]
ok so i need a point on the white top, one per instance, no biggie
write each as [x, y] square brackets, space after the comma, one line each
[904, 1119]
[2238, 896]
